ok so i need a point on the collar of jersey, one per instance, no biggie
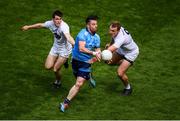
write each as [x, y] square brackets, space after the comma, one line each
[90, 32]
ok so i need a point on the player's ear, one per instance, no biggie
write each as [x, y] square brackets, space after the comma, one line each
[87, 25]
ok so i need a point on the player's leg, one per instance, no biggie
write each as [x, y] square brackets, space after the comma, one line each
[80, 79]
[75, 89]
[122, 69]
[116, 59]
[57, 66]
[66, 64]
[92, 82]
[72, 93]
[50, 60]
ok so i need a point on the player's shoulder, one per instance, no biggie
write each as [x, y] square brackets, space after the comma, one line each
[97, 36]
[64, 24]
[84, 32]
[120, 35]
[49, 22]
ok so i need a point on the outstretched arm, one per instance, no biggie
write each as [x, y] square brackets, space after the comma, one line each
[70, 38]
[34, 26]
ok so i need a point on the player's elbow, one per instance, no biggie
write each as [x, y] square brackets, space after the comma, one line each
[81, 49]
[38, 25]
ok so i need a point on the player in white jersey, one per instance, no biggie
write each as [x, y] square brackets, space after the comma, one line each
[125, 51]
[62, 45]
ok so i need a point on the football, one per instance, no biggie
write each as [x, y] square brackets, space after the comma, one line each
[106, 55]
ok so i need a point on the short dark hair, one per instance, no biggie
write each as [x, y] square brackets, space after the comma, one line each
[116, 24]
[91, 17]
[57, 13]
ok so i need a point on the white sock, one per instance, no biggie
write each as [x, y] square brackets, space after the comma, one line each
[128, 86]
[57, 82]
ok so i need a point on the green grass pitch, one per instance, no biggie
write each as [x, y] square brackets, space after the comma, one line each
[25, 86]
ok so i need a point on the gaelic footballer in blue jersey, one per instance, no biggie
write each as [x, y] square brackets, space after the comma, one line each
[86, 46]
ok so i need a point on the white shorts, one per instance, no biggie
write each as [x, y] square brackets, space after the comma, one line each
[130, 55]
[60, 52]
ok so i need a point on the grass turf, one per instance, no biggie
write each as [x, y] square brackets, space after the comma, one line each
[25, 86]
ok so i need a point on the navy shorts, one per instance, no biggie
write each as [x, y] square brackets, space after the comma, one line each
[79, 69]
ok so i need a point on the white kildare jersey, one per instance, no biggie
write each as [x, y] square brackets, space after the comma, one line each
[60, 44]
[126, 45]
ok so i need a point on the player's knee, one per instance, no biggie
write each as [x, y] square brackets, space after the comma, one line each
[56, 69]
[78, 85]
[120, 74]
[48, 67]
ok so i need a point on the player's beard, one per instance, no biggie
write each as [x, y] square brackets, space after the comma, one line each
[93, 31]
[57, 24]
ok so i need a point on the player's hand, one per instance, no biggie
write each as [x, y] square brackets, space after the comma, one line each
[93, 60]
[109, 62]
[107, 45]
[24, 28]
[98, 55]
